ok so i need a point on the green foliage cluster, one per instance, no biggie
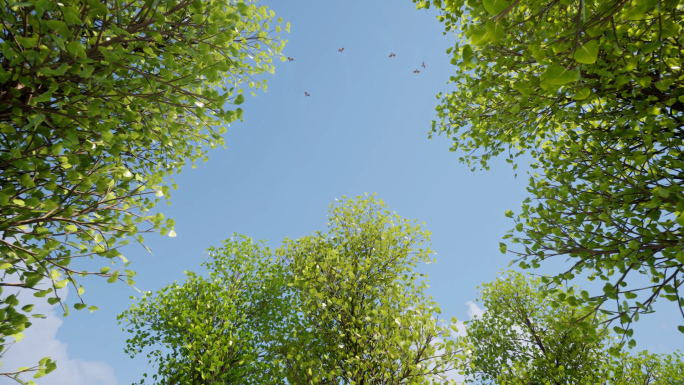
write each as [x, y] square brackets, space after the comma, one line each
[344, 306]
[592, 90]
[361, 312]
[527, 336]
[100, 103]
[212, 330]
[647, 368]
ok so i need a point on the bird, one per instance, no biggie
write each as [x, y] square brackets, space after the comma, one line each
[416, 72]
[423, 65]
[290, 58]
[341, 49]
[306, 93]
[392, 54]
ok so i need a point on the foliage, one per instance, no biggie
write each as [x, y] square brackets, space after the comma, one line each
[646, 368]
[361, 314]
[592, 90]
[211, 330]
[100, 102]
[528, 336]
[342, 307]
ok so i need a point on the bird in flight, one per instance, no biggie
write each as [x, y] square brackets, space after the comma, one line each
[290, 58]
[416, 72]
[341, 49]
[306, 93]
[392, 54]
[423, 65]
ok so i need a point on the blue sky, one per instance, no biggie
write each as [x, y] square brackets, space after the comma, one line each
[363, 130]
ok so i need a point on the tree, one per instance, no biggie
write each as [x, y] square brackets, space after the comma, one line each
[592, 90]
[330, 308]
[645, 368]
[211, 330]
[527, 336]
[361, 313]
[100, 103]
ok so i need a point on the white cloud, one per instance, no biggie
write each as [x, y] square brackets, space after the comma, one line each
[41, 341]
[460, 330]
[474, 310]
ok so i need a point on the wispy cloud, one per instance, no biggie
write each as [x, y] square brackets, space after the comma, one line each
[41, 341]
[474, 310]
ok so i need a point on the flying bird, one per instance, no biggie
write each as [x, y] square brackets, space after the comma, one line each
[290, 58]
[341, 49]
[423, 65]
[416, 72]
[392, 54]
[306, 93]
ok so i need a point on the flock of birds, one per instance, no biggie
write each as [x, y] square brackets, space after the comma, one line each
[341, 50]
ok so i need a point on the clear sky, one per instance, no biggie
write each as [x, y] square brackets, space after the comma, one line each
[362, 130]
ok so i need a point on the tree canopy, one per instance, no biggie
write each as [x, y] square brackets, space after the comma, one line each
[361, 312]
[592, 92]
[346, 306]
[527, 336]
[100, 103]
[211, 329]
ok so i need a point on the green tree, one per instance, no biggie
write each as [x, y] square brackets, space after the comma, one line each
[211, 330]
[341, 307]
[592, 90]
[361, 313]
[528, 336]
[646, 368]
[100, 103]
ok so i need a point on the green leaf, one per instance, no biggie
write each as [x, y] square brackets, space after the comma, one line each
[559, 75]
[479, 36]
[587, 53]
[495, 31]
[71, 15]
[468, 56]
[243, 9]
[75, 48]
[114, 277]
[494, 7]
[582, 94]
